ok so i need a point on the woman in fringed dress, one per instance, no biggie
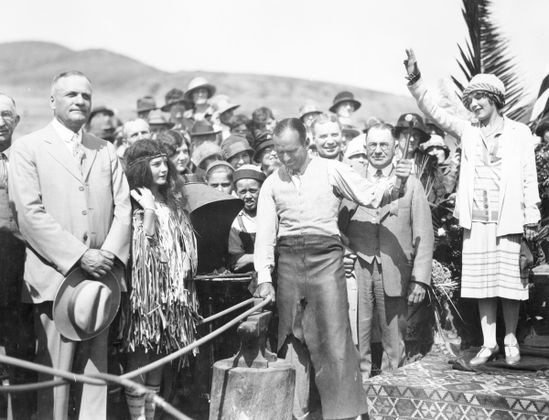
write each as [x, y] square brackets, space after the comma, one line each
[496, 202]
[161, 312]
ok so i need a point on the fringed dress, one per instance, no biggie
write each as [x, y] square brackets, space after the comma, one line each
[490, 263]
[162, 309]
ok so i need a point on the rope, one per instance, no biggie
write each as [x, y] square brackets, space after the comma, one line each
[226, 311]
[124, 380]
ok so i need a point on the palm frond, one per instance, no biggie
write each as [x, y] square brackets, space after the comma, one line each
[487, 51]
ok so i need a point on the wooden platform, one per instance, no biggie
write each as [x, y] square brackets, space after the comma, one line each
[431, 389]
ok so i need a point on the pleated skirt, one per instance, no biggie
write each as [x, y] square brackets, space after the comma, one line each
[491, 264]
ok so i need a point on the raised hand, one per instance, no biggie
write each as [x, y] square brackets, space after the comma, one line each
[144, 197]
[411, 63]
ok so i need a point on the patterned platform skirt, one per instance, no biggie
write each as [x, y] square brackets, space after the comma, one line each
[491, 265]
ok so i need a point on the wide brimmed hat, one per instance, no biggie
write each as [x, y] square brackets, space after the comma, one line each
[146, 103]
[203, 128]
[542, 126]
[435, 141]
[199, 82]
[249, 172]
[235, 144]
[343, 97]
[416, 122]
[310, 107]
[85, 307]
[224, 104]
[205, 150]
[175, 96]
[157, 117]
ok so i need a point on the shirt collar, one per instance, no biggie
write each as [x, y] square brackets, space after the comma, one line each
[385, 171]
[64, 133]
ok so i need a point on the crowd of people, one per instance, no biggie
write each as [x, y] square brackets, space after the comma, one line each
[336, 222]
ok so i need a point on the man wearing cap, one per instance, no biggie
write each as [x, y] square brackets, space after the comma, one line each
[298, 207]
[158, 123]
[394, 245]
[247, 183]
[219, 175]
[73, 207]
[237, 151]
[204, 154]
[344, 106]
[16, 337]
[327, 137]
[223, 115]
[199, 91]
[177, 106]
[145, 105]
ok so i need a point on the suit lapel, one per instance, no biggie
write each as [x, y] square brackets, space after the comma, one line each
[91, 154]
[59, 151]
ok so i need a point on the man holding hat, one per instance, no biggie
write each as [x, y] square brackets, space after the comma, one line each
[247, 180]
[73, 206]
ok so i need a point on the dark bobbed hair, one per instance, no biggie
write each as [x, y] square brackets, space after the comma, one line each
[494, 98]
[293, 124]
[138, 172]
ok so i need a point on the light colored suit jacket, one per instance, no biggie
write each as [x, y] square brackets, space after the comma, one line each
[519, 195]
[62, 211]
[400, 232]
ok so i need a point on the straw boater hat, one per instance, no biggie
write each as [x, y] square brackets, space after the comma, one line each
[343, 97]
[310, 107]
[146, 103]
[175, 96]
[199, 82]
[84, 307]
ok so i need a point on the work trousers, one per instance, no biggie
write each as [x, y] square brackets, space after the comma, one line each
[89, 357]
[313, 310]
[376, 308]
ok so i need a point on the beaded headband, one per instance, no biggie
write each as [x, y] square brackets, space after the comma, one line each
[147, 158]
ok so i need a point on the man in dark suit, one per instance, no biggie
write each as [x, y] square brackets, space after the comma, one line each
[73, 207]
[394, 246]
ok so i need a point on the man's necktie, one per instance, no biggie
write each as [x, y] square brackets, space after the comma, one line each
[3, 171]
[78, 152]
[378, 175]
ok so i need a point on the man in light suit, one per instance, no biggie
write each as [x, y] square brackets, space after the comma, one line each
[394, 245]
[73, 207]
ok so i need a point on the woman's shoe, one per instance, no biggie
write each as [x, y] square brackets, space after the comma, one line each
[484, 354]
[512, 354]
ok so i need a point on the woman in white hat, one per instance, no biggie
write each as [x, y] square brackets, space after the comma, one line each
[199, 91]
[160, 316]
[496, 202]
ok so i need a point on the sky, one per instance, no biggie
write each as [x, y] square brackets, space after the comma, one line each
[355, 42]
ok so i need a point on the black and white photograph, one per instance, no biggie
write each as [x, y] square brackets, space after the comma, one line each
[274, 210]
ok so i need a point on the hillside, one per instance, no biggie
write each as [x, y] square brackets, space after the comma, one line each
[27, 67]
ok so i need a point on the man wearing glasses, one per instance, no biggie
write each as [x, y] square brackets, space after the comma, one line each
[394, 246]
